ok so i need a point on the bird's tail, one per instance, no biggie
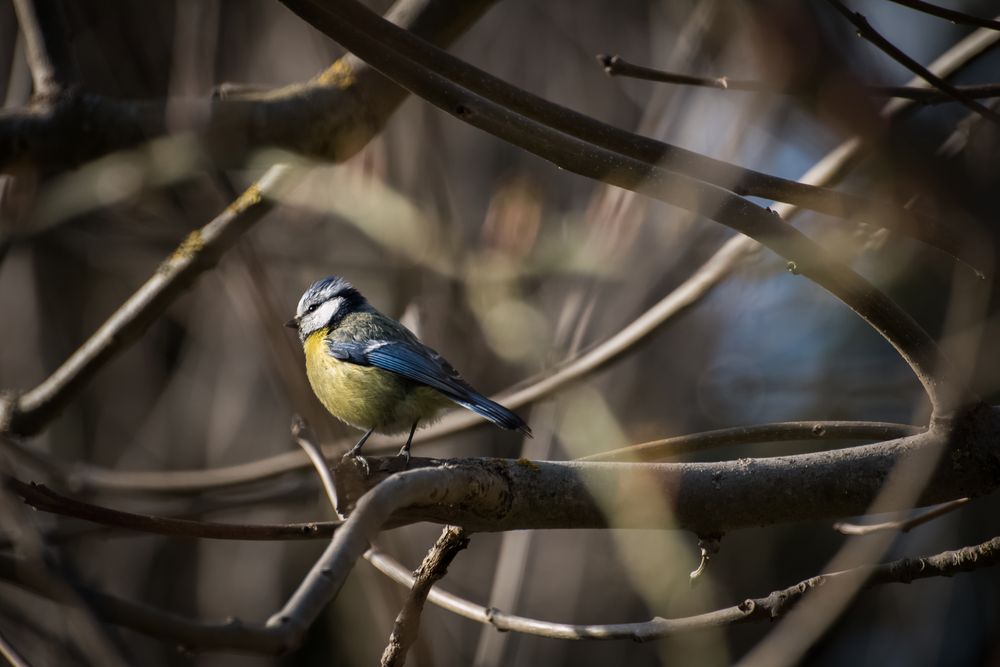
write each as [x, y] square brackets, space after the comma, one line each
[494, 412]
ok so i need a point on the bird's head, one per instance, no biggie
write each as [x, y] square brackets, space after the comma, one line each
[325, 304]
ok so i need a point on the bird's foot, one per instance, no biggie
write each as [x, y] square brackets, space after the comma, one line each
[359, 460]
[404, 453]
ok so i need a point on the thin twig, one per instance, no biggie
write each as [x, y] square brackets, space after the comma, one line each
[766, 608]
[902, 525]
[424, 70]
[434, 566]
[618, 66]
[949, 14]
[658, 450]
[38, 24]
[304, 440]
[866, 31]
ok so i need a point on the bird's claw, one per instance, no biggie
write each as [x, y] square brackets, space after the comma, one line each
[361, 461]
[404, 454]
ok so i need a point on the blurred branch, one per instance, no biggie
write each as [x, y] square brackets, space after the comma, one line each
[866, 31]
[431, 570]
[147, 619]
[949, 14]
[476, 86]
[362, 100]
[10, 654]
[330, 117]
[657, 450]
[904, 525]
[425, 71]
[618, 66]
[45, 499]
[46, 46]
[195, 635]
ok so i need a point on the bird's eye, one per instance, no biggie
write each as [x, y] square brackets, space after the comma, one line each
[312, 308]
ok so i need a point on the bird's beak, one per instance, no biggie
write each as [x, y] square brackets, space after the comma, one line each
[292, 323]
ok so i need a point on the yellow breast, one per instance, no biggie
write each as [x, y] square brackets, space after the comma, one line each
[365, 396]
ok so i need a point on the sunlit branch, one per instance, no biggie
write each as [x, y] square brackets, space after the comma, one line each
[766, 608]
[658, 450]
[903, 525]
[45, 45]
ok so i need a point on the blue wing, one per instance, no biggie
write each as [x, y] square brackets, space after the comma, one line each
[423, 365]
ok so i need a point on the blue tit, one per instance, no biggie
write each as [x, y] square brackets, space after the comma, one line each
[371, 372]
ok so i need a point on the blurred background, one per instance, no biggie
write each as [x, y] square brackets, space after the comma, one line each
[509, 267]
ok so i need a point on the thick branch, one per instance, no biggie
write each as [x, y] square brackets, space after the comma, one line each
[331, 117]
[650, 151]
[705, 498]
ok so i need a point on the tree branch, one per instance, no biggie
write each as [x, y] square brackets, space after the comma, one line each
[362, 100]
[46, 46]
[657, 450]
[330, 117]
[866, 31]
[431, 570]
[42, 498]
[618, 66]
[705, 498]
[424, 70]
[949, 14]
[766, 608]
[904, 525]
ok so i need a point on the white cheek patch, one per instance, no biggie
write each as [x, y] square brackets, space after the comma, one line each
[321, 316]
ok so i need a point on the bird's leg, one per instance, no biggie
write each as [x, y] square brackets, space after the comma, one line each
[405, 451]
[355, 452]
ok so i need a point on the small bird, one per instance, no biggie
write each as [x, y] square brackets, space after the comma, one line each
[371, 372]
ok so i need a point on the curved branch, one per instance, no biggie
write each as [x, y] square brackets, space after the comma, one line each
[657, 450]
[361, 100]
[705, 498]
[766, 608]
[330, 117]
[424, 71]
